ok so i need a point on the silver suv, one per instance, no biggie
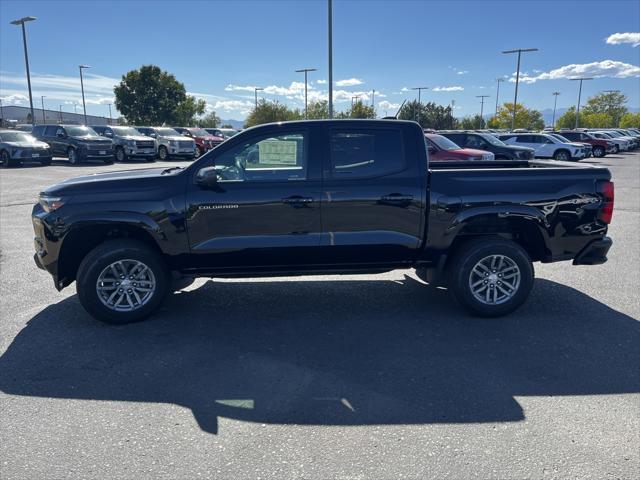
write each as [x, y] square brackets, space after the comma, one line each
[129, 143]
[170, 142]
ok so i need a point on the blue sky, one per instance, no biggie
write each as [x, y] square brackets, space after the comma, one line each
[220, 50]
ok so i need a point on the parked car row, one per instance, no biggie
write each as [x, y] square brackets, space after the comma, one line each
[107, 143]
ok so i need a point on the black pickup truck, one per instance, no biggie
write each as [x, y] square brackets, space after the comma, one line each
[319, 197]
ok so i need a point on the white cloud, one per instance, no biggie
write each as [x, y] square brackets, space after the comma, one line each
[453, 88]
[14, 99]
[620, 38]
[321, 82]
[241, 106]
[404, 89]
[605, 68]
[238, 88]
[349, 82]
[462, 72]
[387, 105]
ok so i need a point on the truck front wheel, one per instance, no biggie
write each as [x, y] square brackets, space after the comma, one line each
[122, 281]
[490, 277]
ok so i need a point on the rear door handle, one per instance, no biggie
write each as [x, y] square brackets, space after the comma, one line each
[396, 197]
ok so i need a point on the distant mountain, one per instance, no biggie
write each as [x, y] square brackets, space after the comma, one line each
[234, 123]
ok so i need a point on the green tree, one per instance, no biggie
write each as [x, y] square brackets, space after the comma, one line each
[152, 96]
[608, 103]
[472, 123]
[525, 117]
[211, 120]
[267, 112]
[358, 110]
[429, 115]
[227, 125]
[587, 119]
[318, 110]
[630, 120]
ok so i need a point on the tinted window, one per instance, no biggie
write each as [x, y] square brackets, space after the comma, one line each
[372, 153]
[570, 135]
[474, 141]
[267, 157]
[50, 131]
[525, 139]
[457, 138]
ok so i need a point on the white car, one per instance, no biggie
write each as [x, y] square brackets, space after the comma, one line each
[546, 146]
[622, 145]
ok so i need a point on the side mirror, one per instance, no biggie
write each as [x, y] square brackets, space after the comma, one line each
[108, 134]
[61, 135]
[207, 177]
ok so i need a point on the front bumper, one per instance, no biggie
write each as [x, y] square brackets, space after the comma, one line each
[595, 253]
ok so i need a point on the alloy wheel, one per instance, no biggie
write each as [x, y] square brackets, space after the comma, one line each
[494, 279]
[126, 285]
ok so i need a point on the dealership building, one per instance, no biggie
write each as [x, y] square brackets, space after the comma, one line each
[11, 115]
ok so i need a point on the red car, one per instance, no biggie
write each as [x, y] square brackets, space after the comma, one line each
[441, 148]
[204, 140]
[600, 146]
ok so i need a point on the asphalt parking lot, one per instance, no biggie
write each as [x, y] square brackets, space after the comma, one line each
[351, 377]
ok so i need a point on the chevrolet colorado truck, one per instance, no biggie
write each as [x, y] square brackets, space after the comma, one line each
[319, 197]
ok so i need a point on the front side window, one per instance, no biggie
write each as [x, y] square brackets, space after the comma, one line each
[269, 157]
[50, 131]
[74, 131]
[372, 153]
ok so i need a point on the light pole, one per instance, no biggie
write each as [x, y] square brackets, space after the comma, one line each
[579, 95]
[482, 97]
[1, 114]
[255, 94]
[373, 98]
[60, 113]
[84, 105]
[42, 103]
[419, 89]
[498, 81]
[330, 37]
[21, 22]
[306, 71]
[555, 102]
[515, 99]
[110, 119]
[611, 105]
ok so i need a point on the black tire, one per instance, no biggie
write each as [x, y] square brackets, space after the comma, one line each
[460, 273]
[106, 254]
[562, 155]
[5, 160]
[197, 152]
[120, 155]
[599, 152]
[163, 154]
[73, 156]
[45, 162]
[616, 149]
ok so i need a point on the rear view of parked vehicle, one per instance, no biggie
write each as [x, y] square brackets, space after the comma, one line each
[170, 143]
[546, 146]
[129, 143]
[77, 143]
[17, 147]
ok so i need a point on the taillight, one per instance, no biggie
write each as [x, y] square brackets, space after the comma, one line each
[607, 206]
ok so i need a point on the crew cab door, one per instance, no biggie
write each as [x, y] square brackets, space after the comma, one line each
[264, 209]
[373, 195]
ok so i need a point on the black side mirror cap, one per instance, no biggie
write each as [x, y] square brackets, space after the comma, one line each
[207, 177]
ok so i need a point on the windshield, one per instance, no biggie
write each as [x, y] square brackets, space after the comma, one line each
[126, 131]
[443, 142]
[492, 140]
[229, 133]
[74, 131]
[16, 137]
[167, 132]
[199, 132]
[614, 134]
[604, 135]
[561, 138]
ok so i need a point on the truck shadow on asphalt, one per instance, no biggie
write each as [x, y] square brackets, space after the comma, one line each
[330, 353]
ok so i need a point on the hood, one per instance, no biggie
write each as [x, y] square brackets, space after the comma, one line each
[98, 181]
[176, 138]
[37, 144]
[138, 138]
[92, 139]
[471, 152]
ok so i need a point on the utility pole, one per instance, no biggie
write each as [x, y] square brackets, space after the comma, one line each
[482, 97]
[498, 81]
[419, 89]
[515, 99]
[615, 123]
[306, 71]
[373, 98]
[330, 27]
[1, 114]
[255, 93]
[110, 119]
[555, 102]
[84, 105]
[21, 22]
[580, 79]
[60, 113]
[42, 103]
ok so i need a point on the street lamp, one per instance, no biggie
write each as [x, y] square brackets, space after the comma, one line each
[555, 102]
[330, 38]
[579, 95]
[84, 106]
[482, 97]
[110, 119]
[42, 103]
[21, 22]
[419, 89]
[60, 113]
[515, 100]
[498, 81]
[306, 71]
[255, 93]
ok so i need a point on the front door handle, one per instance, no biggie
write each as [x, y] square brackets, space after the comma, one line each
[297, 201]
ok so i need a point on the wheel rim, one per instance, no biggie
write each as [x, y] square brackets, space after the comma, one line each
[126, 285]
[72, 156]
[120, 154]
[162, 153]
[562, 156]
[4, 159]
[494, 280]
[196, 153]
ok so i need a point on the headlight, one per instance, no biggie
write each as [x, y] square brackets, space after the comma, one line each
[173, 143]
[50, 203]
[131, 143]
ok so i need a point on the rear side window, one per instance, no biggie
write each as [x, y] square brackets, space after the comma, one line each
[50, 131]
[525, 139]
[38, 130]
[366, 153]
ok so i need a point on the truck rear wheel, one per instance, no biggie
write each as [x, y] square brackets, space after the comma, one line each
[491, 277]
[122, 281]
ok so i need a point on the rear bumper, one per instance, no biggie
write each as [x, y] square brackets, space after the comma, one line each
[595, 253]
